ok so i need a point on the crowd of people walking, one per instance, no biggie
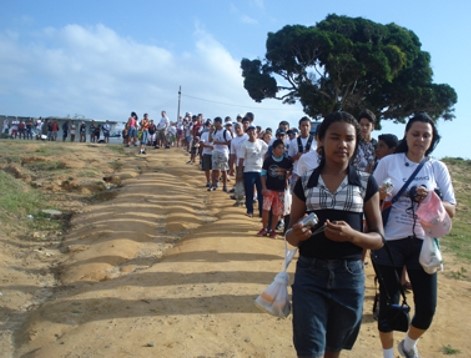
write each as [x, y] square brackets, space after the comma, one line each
[334, 169]
[52, 129]
[338, 172]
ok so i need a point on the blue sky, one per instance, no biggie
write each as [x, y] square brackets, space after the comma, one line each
[105, 58]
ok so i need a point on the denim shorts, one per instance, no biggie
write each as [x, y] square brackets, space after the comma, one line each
[132, 132]
[327, 305]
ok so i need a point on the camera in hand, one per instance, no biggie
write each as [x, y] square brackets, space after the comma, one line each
[310, 221]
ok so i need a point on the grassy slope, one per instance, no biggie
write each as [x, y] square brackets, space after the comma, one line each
[458, 240]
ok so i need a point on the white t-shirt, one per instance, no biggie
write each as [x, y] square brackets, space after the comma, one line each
[253, 154]
[293, 149]
[205, 140]
[236, 142]
[218, 136]
[163, 124]
[434, 174]
[307, 162]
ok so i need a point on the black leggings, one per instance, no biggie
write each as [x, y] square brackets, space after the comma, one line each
[424, 286]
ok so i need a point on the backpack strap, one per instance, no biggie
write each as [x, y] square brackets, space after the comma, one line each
[308, 144]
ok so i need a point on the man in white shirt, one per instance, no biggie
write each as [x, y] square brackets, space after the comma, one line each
[299, 146]
[221, 139]
[162, 131]
[236, 142]
[252, 152]
[206, 153]
[239, 138]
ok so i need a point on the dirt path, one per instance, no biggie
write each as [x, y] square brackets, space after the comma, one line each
[166, 269]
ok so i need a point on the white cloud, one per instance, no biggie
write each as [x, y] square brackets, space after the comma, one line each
[248, 20]
[92, 71]
[243, 18]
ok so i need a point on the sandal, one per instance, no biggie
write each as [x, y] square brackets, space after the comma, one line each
[407, 286]
[262, 232]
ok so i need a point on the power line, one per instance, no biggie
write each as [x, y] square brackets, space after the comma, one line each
[229, 104]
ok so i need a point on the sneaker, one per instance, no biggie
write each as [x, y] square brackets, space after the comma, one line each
[208, 185]
[262, 232]
[414, 353]
[272, 234]
[280, 226]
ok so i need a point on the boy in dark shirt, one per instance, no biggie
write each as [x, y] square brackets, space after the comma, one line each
[274, 177]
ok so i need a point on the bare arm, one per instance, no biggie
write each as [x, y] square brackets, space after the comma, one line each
[450, 209]
[296, 232]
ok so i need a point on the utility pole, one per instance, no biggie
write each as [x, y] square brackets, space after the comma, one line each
[179, 100]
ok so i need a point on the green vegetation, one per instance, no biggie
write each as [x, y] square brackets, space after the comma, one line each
[449, 350]
[47, 165]
[458, 241]
[345, 63]
[17, 200]
[20, 207]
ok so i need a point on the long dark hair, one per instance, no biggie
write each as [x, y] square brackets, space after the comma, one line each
[425, 118]
[331, 118]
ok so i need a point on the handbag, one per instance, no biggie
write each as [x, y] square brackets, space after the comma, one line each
[396, 314]
[387, 205]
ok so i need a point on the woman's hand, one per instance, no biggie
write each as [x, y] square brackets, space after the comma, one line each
[297, 234]
[421, 193]
[338, 231]
[383, 193]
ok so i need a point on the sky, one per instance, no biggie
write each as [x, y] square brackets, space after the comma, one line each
[102, 59]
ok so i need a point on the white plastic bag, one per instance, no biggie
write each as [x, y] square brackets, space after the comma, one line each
[430, 256]
[275, 299]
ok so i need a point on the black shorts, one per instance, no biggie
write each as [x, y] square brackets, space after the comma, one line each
[206, 164]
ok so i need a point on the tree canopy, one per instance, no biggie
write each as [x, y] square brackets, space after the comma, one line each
[349, 64]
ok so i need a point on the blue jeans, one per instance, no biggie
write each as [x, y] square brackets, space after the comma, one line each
[251, 179]
[145, 135]
[327, 305]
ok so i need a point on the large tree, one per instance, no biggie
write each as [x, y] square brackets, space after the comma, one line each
[349, 64]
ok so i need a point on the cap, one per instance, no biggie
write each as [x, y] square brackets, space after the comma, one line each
[250, 128]
[280, 132]
[228, 124]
